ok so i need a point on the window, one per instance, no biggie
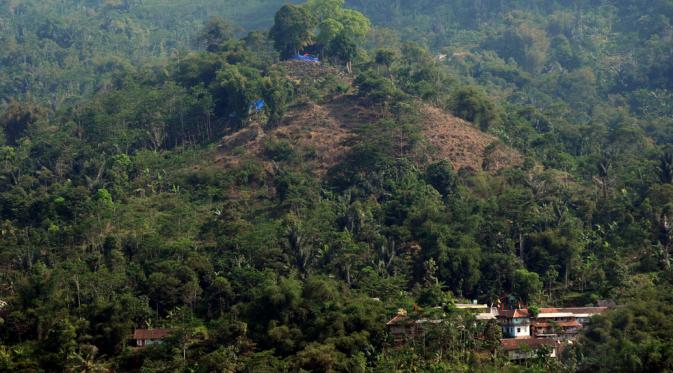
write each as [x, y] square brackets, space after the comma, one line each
[518, 330]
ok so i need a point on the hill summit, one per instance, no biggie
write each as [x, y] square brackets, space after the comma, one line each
[322, 131]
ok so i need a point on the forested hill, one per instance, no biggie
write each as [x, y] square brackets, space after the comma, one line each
[171, 165]
[57, 51]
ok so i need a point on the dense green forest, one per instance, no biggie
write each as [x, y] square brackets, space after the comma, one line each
[124, 204]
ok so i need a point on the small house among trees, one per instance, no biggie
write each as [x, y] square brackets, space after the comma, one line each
[147, 337]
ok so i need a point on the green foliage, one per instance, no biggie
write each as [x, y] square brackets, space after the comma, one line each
[293, 29]
[235, 91]
[442, 177]
[119, 209]
[215, 33]
[343, 48]
[374, 87]
[17, 119]
[632, 338]
[665, 168]
[279, 150]
[334, 20]
[277, 93]
[527, 284]
[526, 44]
[474, 106]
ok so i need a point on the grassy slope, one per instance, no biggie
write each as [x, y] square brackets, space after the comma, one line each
[319, 132]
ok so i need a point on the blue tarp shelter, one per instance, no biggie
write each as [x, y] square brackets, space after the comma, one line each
[257, 105]
[305, 58]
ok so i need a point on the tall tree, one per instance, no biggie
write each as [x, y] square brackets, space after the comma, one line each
[474, 106]
[665, 168]
[343, 48]
[293, 29]
[215, 33]
[336, 22]
[17, 118]
[441, 176]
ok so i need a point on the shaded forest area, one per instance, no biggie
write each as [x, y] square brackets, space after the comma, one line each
[115, 214]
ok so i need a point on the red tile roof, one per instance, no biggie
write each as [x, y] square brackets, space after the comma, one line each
[575, 310]
[151, 334]
[510, 314]
[522, 313]
[513, 344]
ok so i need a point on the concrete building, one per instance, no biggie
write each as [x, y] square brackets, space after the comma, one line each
[524, 331]
[514, 323]
[561, 323]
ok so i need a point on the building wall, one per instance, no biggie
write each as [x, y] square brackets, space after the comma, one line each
[147, 342]
[516, 328]
[516, 331]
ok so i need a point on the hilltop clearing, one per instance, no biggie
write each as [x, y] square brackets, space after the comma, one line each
[318, 131]
[449, 137]
[319, 134]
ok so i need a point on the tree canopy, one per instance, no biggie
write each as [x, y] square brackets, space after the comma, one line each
[293, 29]
[163, 166]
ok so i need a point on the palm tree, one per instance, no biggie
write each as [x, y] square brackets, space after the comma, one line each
[85, 361]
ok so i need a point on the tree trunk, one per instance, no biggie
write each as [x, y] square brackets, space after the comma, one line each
[79, 300]
[521, 248]
[348, 276]
[566, 275]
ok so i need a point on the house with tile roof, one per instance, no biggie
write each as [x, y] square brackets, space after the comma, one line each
[147, 337]
[525, 331]
[562, 323]
[515, 323]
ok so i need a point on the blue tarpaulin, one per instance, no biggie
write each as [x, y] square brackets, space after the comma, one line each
[257, 105]
[305, 58]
